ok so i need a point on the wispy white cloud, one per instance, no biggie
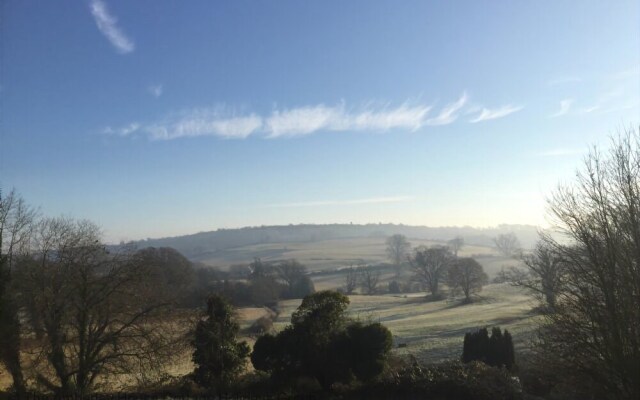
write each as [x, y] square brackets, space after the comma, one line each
[287, 123]
[299, 121]
[561, 152]
[123, 131]
[306, 120]
[108, 25]
[155, 90]
[450, 112]
[320, 203]
[405, 117]
[487, 114]
[589, 110]
[204, 122]
[565, 106]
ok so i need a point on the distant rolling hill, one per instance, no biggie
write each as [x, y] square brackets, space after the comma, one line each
[322, 246]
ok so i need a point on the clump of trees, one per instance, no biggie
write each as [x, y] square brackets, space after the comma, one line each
[323, 345]
[294, 275]
[175, 273]
[259, 283]
[430, 266]
[495, 350]
[271, 282]
[435, 265]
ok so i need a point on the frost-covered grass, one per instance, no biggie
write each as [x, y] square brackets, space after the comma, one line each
[431, 331]
[336, 253]
[434, 331]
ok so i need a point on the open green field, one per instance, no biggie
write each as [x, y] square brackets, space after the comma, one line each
[431, 331]
[434, 331]
[332, 254]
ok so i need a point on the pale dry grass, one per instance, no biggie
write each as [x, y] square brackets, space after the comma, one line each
[319, 255]
[181, 364]
[431, 331]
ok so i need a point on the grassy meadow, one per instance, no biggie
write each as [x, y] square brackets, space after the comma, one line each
[333, 254]
[433, 331]
[429, 331]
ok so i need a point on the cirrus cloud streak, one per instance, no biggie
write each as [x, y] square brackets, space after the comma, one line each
[305, 120]
[108, 26]
[488, 114]
[225, 123]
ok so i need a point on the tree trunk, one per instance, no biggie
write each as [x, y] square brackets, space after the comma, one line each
[550, 297]
[433, 288]
[10, 343]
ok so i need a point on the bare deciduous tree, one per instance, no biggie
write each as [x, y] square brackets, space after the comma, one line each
[507, 244]
[351, 280]
[369, 279]
[397, 250]
[456, 244]
[430, 266]
[595, 330]
[544, 276]
[102, 312]
[16, 221]
[466, 275]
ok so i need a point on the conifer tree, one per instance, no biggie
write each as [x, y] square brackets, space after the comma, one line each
[218, 356]
[496, 350]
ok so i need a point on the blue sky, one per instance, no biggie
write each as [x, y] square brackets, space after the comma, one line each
[157, 118]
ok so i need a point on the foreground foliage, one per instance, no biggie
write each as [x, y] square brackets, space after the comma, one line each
[593, 335]
[98, 313]
[218, 356]
[454, 381]
[323, 346]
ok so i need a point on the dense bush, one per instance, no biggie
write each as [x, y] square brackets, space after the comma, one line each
[454, 381]
[394, 287]
[321, 345]
[301, 288]
[262, 325]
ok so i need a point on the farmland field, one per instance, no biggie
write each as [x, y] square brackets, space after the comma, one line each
[433, 331]
[326, 255]
[429, 331]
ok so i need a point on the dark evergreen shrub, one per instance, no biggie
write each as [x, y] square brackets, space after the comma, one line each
[496, 350]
